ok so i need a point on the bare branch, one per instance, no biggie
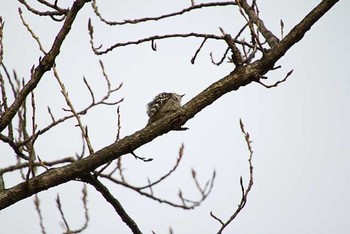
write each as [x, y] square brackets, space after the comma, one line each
[45, 64]
[96, 174]
[141, 158]
[117, 138]
[278, 82]
[236, 54]
[145, 19]
[204, 191]
[150, 186]
[72, 109]
[60, 209]
[57, 12]
[246, 191]
[254, 35]
[90, 91]
[86, 212]
[1, 44]
[102, 101]
[222, 58]
[216, 218]
[36, 38]
[53, 6]
[38, 210]
[51, 115]
[181, 150]
[282, 28]
[37, 164]
[200, 47]
[192, 204]
[3, 102]
[233, 81]
[14, 146]
[98, 51]
[271, 39]
[106, 76]
[88, 178]
[13, 88]
[30, 144]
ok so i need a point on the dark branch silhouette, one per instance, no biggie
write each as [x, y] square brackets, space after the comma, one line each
[19, 128]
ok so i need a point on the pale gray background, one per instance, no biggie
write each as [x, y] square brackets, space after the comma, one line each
[300, 130]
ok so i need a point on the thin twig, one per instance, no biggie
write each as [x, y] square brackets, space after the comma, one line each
[98, 51]
[197, 52]
[86, 211]
[216, 218]
[246, 191]
[222, 58]
[90, 90]
[278, 82]
[53, 6]
[57, 12]
[145, 19]
[14, 146]
[51, 115]
[30, 144]
[38, 210]
[37, 164]
[36, 38]
[117, 138]
[181, 152]
[74, 112]
[96, 174]
[141, 158]
[194, 177]
[120, 169]
[1, 38]
[3, 103]
[60, 209]
[183, 206]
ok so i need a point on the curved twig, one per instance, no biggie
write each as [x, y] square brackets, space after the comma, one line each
[145, 19]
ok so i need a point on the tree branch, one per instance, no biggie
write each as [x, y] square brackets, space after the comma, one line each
[246, 191]
[239, 77]
[88, 178]
[145, 19]
[271, 39]
[45, 65]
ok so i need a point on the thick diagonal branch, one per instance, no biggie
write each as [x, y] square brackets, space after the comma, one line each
[45, 65]
[239, 77]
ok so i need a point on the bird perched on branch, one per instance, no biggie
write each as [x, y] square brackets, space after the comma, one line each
[163, 104]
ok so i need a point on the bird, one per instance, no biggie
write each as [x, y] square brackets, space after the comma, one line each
[163, 104]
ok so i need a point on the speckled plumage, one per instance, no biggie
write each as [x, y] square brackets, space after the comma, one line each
[163, 104]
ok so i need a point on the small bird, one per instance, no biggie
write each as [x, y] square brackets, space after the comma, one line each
[163, 104]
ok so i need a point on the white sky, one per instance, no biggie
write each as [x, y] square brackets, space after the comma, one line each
[299, 130]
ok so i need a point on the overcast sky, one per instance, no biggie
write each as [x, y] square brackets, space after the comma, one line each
[300, 130]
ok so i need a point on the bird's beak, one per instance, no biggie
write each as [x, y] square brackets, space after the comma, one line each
[182, 95]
